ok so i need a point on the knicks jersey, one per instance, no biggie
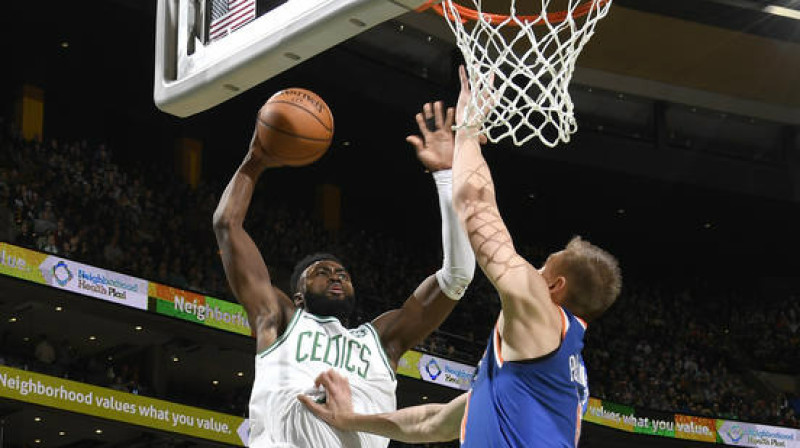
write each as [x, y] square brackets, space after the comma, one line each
[529, 403]
[309, 346]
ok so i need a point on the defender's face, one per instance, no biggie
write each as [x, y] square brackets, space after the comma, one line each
[329, 279]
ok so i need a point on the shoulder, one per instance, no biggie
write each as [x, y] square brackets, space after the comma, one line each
[572, 323]
[532, 334]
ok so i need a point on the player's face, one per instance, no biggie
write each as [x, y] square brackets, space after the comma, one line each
[328, 289]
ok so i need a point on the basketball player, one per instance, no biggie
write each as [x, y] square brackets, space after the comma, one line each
[300, 335]
[530, 388]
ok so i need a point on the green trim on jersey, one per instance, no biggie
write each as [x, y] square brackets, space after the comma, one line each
[322, 319]
[279, 341]
[384, 357]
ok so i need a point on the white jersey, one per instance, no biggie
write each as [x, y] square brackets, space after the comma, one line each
[309, 346]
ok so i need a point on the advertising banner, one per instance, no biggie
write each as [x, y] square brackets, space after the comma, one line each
[445, 372]
[610, 414]
[21, 263]
[688, 427]
[408, 365]
[655, 423]
[197, 308]
[695, 428]
[95, 282]
[73, 276]
[110, 404]
[749, 434]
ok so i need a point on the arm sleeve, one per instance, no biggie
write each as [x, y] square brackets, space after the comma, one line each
[458, 266]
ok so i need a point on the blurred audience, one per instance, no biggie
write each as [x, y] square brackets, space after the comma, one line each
[660, 347]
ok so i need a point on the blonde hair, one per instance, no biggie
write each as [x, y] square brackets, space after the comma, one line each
[594, 279]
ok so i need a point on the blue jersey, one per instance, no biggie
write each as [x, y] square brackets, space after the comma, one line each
[529, 403]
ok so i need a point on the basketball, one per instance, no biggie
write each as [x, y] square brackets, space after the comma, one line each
[295, 126]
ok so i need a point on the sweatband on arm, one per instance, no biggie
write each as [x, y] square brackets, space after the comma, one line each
[458, 266]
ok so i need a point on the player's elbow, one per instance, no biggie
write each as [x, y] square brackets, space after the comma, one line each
[221, 221]
[454, 281]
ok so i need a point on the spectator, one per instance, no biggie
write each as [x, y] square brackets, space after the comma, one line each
[25, 237]
[48, 244]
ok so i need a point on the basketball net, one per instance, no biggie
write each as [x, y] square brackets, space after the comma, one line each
[520, 67]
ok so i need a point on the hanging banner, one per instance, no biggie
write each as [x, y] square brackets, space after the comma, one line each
[58, 393]
[759, 436]
[408, 365]
[689, 427]
[21, 263]
[610, 414]
[200, 309]
[445, 372]
[700, 429]
[73, 276]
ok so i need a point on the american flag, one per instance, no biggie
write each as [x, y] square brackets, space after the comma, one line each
[229, 15]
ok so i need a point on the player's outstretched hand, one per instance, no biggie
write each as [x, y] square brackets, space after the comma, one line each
[464, 99]
[435, 144]
[337, 410]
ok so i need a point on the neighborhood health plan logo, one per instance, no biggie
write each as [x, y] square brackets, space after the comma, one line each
[749, 434]
[94, 282]
[433, 369]
[735, 432]
[61, 273]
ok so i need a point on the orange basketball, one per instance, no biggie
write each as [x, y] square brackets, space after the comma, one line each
[296, 126]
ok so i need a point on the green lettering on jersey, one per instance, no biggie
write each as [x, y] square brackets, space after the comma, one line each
[332, 342]
[350, 351]
[314, 356]
[299, 346]
[365, 360]
[335, 351]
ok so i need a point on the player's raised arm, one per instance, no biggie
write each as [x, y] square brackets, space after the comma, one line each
[436, 296]
[416, 424]
[268, 309]
[524, 293]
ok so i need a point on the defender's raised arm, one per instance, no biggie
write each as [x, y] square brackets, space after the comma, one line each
[437, 295]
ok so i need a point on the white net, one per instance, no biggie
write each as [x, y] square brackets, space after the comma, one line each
[520, 67]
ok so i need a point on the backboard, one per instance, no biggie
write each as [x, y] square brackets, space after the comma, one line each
[208, 51]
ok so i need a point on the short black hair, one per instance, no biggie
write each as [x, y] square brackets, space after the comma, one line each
[303, 264]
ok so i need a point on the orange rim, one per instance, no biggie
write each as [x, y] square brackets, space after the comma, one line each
[496, 19]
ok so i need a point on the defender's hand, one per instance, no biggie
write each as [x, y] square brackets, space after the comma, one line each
[435, 146]
[464, 99]
[337, 410]
[463, 96]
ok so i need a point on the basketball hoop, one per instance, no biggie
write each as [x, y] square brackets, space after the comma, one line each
[520, 66]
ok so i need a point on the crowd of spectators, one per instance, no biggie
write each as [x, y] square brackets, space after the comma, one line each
[684, 350]
[680, 350]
